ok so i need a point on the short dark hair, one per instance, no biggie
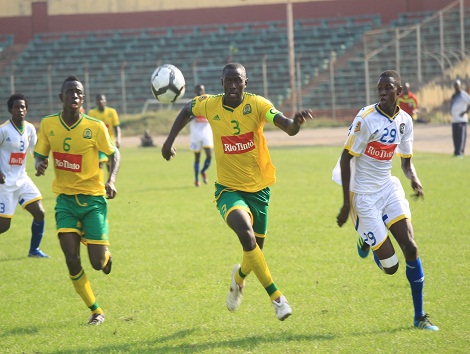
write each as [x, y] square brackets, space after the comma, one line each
[16, 97]
[234, 66]
[68, 79]
[392, 73]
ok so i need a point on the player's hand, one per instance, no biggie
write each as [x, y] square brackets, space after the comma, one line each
[343, 215]
[168, 152]
[41, 167]
[2, 178]
[302, 116]
[110, 190]
[417, 190]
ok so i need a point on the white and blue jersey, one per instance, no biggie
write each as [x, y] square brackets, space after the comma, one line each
[373, 139]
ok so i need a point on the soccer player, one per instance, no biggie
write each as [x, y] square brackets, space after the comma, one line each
[111, 119]
[200, 138]
[408, 102]
[74, 140]
[244, 171]
[376, 199]
[17, 137]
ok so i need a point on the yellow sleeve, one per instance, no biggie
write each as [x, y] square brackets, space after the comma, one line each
[42, 147]
[104, 142]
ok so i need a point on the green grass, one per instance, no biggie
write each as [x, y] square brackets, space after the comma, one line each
[173, 257]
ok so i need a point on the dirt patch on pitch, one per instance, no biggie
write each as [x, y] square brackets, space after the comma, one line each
[428, 138]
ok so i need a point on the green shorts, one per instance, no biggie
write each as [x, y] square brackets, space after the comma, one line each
[256, 204]
[85, 215]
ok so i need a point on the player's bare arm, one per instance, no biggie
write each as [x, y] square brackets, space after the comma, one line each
[183, 117]
[2, 178]
[117, 134]
[409, 170]
[345, 163]
[292, 125]
[114, 163]
[41, 165]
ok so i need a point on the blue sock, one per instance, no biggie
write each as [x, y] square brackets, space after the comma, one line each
[196, 170]
[377, 261]
[37, 230]
[207, 163]
[415, 275]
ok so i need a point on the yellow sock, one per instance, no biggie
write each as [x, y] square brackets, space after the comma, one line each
[83, 287]
[245, 269]
[257, 263]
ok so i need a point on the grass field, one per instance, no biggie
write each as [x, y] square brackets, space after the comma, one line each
[173, 257]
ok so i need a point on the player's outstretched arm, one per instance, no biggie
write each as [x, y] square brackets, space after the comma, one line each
[345, 163]
[168, 151]
[409, 170]
[292, 125]
[41, 165]
[114, 163]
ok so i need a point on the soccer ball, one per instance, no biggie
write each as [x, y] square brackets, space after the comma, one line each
[168, 83]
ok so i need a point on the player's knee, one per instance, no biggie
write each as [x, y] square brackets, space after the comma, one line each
[4, 228]
[97, 264]
[390, 265]
[39, 215]
[410, 251]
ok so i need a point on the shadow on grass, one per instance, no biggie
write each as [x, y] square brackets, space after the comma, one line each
[249, 343]
[12, 259]
[19, 331]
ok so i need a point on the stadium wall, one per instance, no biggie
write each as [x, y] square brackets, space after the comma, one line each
[26, 18]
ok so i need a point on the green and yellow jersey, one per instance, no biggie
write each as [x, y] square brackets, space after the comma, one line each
[241, 153]
[74, 153]
[109, 117]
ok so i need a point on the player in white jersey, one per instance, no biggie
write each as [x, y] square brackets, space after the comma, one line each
[201, 138]
[373, 197]
[17, 138]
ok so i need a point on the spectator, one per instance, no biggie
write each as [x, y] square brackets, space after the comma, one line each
[459, 108]
[146, 139]
[409, 102]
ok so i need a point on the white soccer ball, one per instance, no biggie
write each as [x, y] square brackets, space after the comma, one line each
[167, 83]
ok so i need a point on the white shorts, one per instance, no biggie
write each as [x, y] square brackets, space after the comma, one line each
[201, 137]
[373, 214]
[24, 194]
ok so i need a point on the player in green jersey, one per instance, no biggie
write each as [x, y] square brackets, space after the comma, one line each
[244, 171]
[74, 140]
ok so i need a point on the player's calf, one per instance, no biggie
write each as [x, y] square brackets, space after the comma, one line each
[388, 265]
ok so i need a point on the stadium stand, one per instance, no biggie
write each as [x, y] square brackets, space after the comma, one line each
[98, 58]
[119, 63]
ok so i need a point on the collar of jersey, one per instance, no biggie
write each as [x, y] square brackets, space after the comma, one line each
[231, 109]
[377, 107]
[20, 130]
[66, 126]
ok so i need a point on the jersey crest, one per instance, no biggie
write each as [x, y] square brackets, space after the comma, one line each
[402, 128]
[247, 109]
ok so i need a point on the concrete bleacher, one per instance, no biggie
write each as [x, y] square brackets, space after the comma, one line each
[350, 75]
[99, 58]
